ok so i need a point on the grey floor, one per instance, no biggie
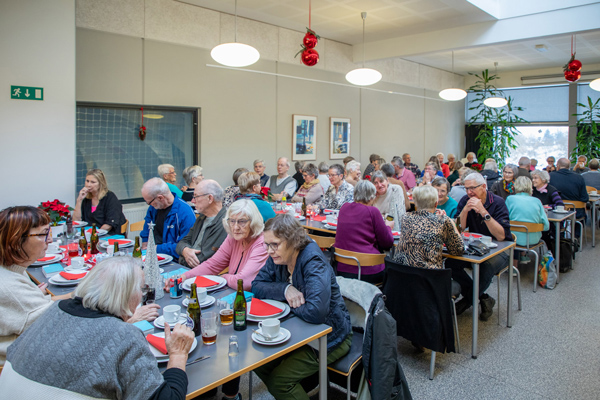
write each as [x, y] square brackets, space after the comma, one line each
[551, 352]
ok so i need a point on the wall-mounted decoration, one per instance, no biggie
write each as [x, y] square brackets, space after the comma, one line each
[304, 137]
[339, 138]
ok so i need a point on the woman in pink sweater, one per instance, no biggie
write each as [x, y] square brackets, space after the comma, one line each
[242, 251]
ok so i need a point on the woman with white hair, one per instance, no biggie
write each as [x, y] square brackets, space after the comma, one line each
[471, 159]
[543, 190]
[192, 176]
[107, 357]
[444, 167]
[451, 161]
[242, 251]
[523, 207]
[425, 231]
[506, 186]
[353, 172]
[389, 199]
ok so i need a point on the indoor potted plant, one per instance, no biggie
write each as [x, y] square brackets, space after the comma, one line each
[56, 210]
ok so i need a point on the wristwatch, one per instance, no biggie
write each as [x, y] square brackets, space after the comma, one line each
[487, 217]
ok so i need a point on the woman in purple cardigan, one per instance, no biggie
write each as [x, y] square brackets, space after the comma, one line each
[362, 229]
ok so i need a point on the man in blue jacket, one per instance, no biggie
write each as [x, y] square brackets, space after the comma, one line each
[172, 216]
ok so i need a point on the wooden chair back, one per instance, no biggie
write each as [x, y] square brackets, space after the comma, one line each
[358, 259]
[137, 226]
[569, 204]
[323, 242]
[526, 227]
[591, 189]
[124, 228]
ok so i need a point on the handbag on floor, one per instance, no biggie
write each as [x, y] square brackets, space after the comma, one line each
[547, 271]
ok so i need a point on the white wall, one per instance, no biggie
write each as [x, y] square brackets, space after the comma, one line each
[37, 138]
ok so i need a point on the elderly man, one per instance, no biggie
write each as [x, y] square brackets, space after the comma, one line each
[570, 185]
[551, 167]
[403, 174]
[323, 178]
[485, 213]
[168, 174]
[340, 191]
[208, 232]
[524, 167]
[373, 162]
[353, 172]
[259, 168]
[282, 184]
[172, 217]
[580, 167]
[592, 177]
[414, 168]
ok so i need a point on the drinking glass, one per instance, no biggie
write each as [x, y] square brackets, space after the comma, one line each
[209, 327]
[234, 349]
[225, 313]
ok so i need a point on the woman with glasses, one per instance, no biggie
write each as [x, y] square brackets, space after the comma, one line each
[98, 205]
[242, 251]
[311, 190]
[506, 186]
[298, 273]
[24, 238]
[389, 199]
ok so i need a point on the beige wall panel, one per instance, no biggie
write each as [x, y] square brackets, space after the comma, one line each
[444, 127]
[117, 16]
[263, 37]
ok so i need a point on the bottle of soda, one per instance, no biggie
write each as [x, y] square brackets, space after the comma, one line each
[194, 311]
[94, 240]
[239, 308]
[137, 249]
[83, 244]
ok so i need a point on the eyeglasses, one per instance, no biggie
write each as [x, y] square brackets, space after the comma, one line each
[151, 201]
[171, 173]
[240, 222]
[272, 246]
[44, 234]
[332, 175]
[200, 195]
[472, 188]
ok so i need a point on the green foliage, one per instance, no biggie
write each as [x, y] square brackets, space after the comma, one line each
[588, 140]
[497, 132]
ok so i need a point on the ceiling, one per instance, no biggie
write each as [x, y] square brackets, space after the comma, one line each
[480, 32]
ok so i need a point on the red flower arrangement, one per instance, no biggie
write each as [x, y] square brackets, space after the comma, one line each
[477, 167]
[56, 210]
[266, 193]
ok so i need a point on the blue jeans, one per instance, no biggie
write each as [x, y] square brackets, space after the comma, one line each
[487, 270]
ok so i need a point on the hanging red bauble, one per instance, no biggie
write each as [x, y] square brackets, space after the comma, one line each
[142, 133]
[572, 69]
[572, 76]
[310, 39]
[309, 57]
[574, 65]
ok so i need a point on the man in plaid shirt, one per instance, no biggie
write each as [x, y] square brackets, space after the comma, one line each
[414, 168]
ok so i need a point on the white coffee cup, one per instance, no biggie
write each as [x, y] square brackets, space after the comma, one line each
[201, 292]
[560, 208]
[52, 247]
[594, 193]
[486, 239]
[77, 262]
[171, 313]
[269, 327]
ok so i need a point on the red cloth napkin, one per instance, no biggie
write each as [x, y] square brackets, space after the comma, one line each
[204, 282]
[262, 309]
[396, 233]
[160, 258]
[158, 343]
[120, 241]
[281, 212]
[72, 277]
[332, 223]
[46, 258]
[319, 218]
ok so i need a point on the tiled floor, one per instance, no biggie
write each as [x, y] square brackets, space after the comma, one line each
[551, 352]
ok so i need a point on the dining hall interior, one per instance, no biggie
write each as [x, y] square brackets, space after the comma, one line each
[156, 54]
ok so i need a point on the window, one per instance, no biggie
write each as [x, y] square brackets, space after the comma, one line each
[540, 142]
[107, 138]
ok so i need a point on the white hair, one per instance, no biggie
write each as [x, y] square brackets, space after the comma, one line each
[163, 169]
[364, 192]
[213, 188]
[353, 166]
[543, 175]
[155, 187]
[249, 209]
[523, 161]
[286, 160]
[477, 177]
[523, 185]
[110, 286]
[491, 165]
[258, 162]
[425, 197]
[190, 173]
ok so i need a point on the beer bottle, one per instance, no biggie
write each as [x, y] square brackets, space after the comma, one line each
[137, 249]
[94, 240]
[304, 206]
[116, 248]
[194, 311]
[83, 243]
[239, 308]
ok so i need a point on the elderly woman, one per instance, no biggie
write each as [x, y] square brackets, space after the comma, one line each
[445, 203]
[361, 229]
[456, 166]
[232, 191]
[297, 272]
[107, 358]
[340, 191]
[311, 190]
[525, 208]
[353, 172]
[543, 191]
[249, 184]
[506, 186]
[430, 172]
[242, 251]
[425, 232]
[192, 176]
[390, 198]
[444, 167]
[451, 161]
[471, 159]
[98, 205]
[390, 172]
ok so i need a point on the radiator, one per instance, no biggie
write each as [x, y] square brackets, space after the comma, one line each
[135, 212]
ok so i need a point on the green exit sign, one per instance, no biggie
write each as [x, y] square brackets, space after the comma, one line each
[26, 93]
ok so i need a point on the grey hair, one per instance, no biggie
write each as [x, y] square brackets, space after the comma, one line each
[432, 164]
[524, 161]
[249, 209]
[582, 156]
[212, 187]
[439, 181]
[387, 169]
[323, 167]
[258, 162]
[164, 169]
[311, 169]
[425, 197]
[475, 176]
[450, 155]
[473, 154]
[514, 169]
[364, 192]
[190, 173]
[438, 154]
[353, 166]
[543, 175]
[523, 185]
[491, 165]
[397, 161]
[338, 168]
[594, 164]
[156, 186]
[286, 161]
[299, 165]
[378, 175]
[110, 286]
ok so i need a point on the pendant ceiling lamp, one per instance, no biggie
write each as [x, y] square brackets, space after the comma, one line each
[235, 54]
[363, 76]
[453, 94]
[495, 101]
[595, 84]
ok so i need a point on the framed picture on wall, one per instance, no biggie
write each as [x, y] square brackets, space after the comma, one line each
[304, 137]
[339, 138]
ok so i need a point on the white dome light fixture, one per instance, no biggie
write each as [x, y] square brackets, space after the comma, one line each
[595, 84]
[363, 76]
[235, 54]
[453, 94]
[495, 101]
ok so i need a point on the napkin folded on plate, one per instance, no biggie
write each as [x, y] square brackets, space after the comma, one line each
[72, 277]
[319, 218]
[395, 233]
[46, 259]
[158, 343]
[204, 282]
[328, 211]
[467, 234]
[332, 223]
[113, 241]
[263, 309]
[281, 212]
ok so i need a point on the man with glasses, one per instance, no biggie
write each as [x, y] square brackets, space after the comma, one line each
[485, 213]
[168, 174]
[551, 167]
[340, 191]
[282, 184]
[208, 233]
[172, 217]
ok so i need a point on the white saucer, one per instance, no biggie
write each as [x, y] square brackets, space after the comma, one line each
[208, 301]
[491, 245]
[160, 357]
[60, 281]
[283, 336]
[561, 212]
[160, 321]
[55, 258]
[105, 244]
[300, 218]
[187, 284]
[255, 318]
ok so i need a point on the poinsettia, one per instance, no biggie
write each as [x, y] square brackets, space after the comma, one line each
[265, 191]
[477, 167]
[56, 210]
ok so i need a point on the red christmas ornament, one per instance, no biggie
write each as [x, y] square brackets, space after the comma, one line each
[310, 39]
[574, 65]
[309, 57]
[142, 133]
[572, 76]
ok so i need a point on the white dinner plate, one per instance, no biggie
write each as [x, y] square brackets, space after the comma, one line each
[300, 217]
[60, 281]
[330, 227]
[100, 232]
[208, 301]
[51, 252]
[491, 245]
[255, 318]
[79, 224]
[160, 321]
[167, 258]
[561, 212]
[187, 284]
[104, 243]
[283, 336]
[55, 258]
[160, 357]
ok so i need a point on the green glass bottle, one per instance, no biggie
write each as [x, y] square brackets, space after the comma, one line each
[304, 206]
[94, 241]
[116, 248]
[239, 308]
[83, 244]
[137, 249]
[194, 311]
